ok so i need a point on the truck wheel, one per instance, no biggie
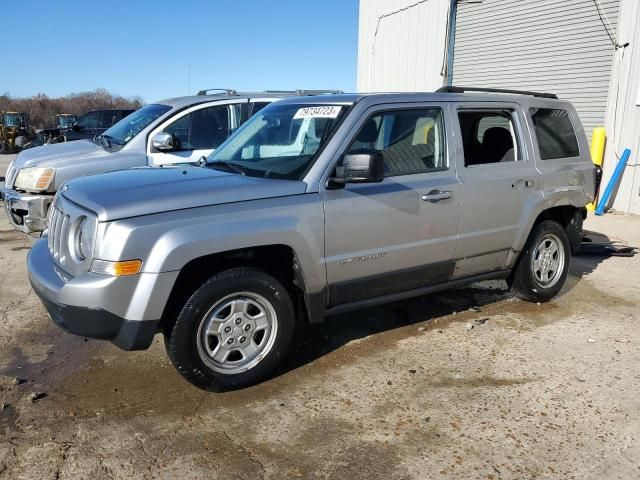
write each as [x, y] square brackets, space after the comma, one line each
[543, 264]
[233, 331]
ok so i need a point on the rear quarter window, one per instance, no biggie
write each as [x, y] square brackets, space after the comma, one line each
[554, 132]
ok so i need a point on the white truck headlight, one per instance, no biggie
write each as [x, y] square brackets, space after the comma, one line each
[35, 179]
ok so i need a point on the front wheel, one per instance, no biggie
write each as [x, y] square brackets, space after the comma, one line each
[233, 331]
[544, 263]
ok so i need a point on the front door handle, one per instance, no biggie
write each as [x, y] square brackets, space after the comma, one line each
[523, 183]
[436, 195]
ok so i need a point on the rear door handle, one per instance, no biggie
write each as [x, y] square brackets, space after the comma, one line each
[436, 195]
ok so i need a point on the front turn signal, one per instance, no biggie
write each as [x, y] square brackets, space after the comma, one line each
[116, 269]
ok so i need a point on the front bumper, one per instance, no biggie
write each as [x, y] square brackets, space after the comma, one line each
[27, 212]
[124, 310]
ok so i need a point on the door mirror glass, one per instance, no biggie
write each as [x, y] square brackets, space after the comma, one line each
[364, 167]
[163, 142]
[76, 127]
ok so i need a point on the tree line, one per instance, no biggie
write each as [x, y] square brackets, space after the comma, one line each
[42, 109]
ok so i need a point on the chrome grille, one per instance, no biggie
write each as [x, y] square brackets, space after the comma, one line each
[63, 220]
[56, 220]
[59, 223]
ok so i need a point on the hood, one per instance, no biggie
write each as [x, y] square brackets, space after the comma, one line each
[144, 191]
[58, 154]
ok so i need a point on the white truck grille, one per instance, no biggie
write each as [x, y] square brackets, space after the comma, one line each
[12, 173]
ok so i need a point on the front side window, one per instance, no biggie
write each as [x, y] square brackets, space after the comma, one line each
[12, 120]
[410, 141]
[205, 128]
[280, 141]
[555, 134]
[488, 136]
[127, 128]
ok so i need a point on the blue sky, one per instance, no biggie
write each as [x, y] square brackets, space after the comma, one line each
[144, 48]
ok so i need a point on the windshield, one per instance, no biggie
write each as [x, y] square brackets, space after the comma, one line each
[65, 121]
[12, 120]
[127, 128]
[280, 141]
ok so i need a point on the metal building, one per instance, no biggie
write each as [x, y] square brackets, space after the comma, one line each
[581, 50]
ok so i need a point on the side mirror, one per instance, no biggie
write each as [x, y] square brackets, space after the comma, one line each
[366, 167]
[163, 142]
[76, 128]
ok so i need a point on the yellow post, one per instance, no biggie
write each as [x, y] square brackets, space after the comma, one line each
[598, 139]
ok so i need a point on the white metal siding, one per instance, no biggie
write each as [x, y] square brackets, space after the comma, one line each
[623, 112]
[563, 47]
[401, 45]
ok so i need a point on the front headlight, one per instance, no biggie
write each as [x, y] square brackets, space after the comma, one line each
[84, 239]
[36, 179]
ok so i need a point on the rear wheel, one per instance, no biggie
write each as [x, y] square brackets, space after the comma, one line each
[233, 331]
[544, 263]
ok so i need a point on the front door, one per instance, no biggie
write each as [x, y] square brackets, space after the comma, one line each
[197, 132]
[384, 238]
[497, 176]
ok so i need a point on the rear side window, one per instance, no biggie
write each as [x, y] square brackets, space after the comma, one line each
[555, 134]
[110, 118]
[488, 136]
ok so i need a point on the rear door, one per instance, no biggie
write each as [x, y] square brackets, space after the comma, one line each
[394, 236]
[498, 179]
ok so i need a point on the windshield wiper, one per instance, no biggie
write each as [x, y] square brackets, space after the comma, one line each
[229, 166]
[108, 141]
[104, 140]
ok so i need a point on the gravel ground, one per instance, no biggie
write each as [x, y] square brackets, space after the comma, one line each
[469, 383]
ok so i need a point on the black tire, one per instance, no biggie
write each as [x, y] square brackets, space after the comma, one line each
[184, 340]
[526, 282]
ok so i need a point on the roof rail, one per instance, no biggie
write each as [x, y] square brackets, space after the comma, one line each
[318, 92]
[227, 91]
[305, 92]
[454, 89]
[230, 91]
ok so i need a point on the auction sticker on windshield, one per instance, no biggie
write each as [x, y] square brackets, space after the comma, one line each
[324, 111]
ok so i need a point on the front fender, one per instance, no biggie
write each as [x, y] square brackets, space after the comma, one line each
[168, 241]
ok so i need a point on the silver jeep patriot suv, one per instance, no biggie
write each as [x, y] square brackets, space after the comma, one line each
[317, 206]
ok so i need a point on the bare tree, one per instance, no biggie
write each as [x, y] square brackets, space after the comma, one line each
[42, 109]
